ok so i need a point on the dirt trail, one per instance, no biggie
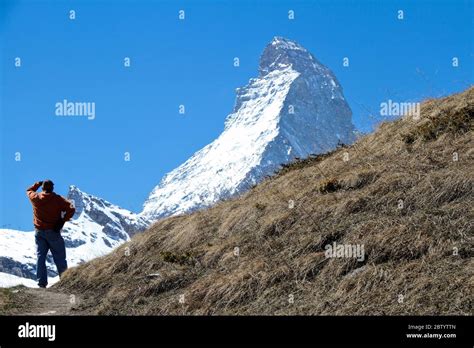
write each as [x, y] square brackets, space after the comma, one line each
[44, 302]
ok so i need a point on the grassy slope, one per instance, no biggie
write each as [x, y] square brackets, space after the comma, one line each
[409, 251]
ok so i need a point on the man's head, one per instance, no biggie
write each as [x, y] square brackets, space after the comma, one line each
[48, 186]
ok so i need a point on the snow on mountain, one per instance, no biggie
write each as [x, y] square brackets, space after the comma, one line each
[293, 109]
[96, 228]
[18, 253]
[8, 280]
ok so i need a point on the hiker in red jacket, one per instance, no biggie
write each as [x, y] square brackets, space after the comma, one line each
[50, 212]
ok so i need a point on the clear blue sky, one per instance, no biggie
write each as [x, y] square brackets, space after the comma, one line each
[190, 62]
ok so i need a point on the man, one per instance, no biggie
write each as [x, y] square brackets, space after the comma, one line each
[48, 218]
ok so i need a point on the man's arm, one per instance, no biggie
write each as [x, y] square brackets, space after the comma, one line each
[68, 207]
[31, 191]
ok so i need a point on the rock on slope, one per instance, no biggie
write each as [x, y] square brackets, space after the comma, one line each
[293, 109]
[405, 195]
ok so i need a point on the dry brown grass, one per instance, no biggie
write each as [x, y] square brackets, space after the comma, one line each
[400, 195]
[13, 301]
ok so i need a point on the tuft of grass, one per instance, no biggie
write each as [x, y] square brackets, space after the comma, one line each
[408, 138]
[5, 300]
[179, 258]
[329, 185]
[12, 300]
[298, 163]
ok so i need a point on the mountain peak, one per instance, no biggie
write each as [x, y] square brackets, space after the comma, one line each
[281, 53]
[74, 189]
[114, 220]
[78, 197]
[280, 42]
[295, 108]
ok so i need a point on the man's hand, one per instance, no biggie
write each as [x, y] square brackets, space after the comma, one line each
[59, 225]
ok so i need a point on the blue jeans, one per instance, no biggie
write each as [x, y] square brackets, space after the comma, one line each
[49, 240]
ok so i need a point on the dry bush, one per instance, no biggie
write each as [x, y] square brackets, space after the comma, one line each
[329, 185]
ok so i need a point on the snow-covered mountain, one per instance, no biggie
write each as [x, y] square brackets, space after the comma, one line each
[294, 108]
[96, 228]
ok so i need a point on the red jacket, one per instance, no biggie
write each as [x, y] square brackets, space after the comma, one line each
[47, 208]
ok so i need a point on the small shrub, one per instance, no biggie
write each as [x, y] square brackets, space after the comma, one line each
[329, 185]
[298, 163]
[408, 138]
[341, 145]
[181, 259]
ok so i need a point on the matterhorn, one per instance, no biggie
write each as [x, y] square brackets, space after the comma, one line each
[294, 108]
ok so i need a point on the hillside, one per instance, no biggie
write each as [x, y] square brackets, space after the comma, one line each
[401, 192]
